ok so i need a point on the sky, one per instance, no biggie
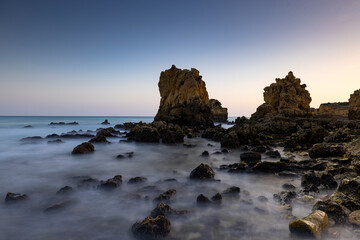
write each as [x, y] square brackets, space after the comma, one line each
[104, 58]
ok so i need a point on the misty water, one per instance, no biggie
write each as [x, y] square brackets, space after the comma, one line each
[40, 169]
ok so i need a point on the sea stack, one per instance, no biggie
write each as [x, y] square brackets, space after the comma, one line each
[184, 99]
[354, 111]
[287, 97]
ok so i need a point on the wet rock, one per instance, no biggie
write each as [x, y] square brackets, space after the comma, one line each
[54, 135]
[15, 197]
[225, 150]
[55, 141]
[273, 154]
[312, 225]
[232, 191]
[58, 206]
[259, 149]
[327, 150]
[65, 190]
[163, 209]
[307, 199]
[261, 210]
[99, 139]
[202, 200]
[202, 172]
[76, 135]
[354, 218]
[28, 126]
[136, 180]
[230, 140]
[107, 132]
[250, 158]
[112, 183]
[285, 197]
[105, 122]
[184, 99]
[323, 179]
[288, 186]
[34, 138]
[83, 148]
[263, 199]
[152, 228]
[172, 134]
[63, 123]
[219, 113]
[205, 154]
[166, 196]
[89, 183]
[120, 156]
[217, 198]
[343, 201]
[145, 133]
[214, 134]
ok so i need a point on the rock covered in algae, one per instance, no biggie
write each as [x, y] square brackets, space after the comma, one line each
[311, 225]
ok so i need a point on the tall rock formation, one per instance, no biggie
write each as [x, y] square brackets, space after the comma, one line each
[184, 99]
[287, 97]
[219, 113]
[354, 111]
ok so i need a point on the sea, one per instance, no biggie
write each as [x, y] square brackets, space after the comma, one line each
[39, 169]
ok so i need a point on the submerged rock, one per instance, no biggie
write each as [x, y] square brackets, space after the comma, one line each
[15, 197]
[112, 183]
[99, 139]
[59, 206]
[202, 200]
[232, 191]
[184, 99]
[163, 209]
[145, 133]
[65, 190]
[166, 196]
[312, 225]
[83, 148]
[152, 228]
[137, 180]
[105, 122]
[285, 197]
[202, 172]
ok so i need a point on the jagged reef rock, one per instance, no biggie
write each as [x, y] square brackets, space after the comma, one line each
[219, 113]
[345, 200]
[354, 111]
[332, 110]
[312, 225]
[83, 148]
[327, 150]
[152, 228]
[286, 97]
[184, 99]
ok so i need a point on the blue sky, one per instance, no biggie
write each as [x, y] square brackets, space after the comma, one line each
[73, 57]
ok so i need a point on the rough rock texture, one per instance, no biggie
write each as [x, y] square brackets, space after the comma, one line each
[144, 133]
[285, 97]
[15, 197]
[219, 113]
[163, 209]
[112, 183]
[184, 99]
[332, 110]
[202, 172]
[341, 203]
[83, 148]
[327, 150]
[354, 111]
[152, 228]
[312, 225]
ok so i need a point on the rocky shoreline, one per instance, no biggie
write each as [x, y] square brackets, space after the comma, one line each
[329, 170]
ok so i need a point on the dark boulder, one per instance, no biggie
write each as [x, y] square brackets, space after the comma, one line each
[112, 183]
[250, 158]
[230, 140]
[137, 180]
[327, 150]
[202, 200]
[15, 197]
[273, 154]
[106, 122]
[65, 190]
[205, 154]
[285, 197]
[166, 196]
[152, 228]
[217, 198]
[202, 172]
[99, 139]
[163, 209]
[232, 191]
[145, 133]
[83, 148]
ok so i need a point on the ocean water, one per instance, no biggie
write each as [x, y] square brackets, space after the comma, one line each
[40, 169]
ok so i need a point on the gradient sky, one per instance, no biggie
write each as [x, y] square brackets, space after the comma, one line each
[70, 57]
